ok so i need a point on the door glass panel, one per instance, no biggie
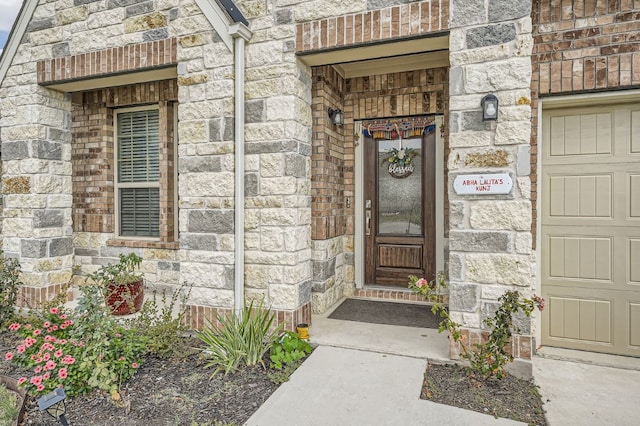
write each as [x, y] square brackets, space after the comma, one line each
[400, 186]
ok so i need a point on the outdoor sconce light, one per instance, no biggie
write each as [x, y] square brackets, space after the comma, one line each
[489, 108]
[53, 403]
[336, 116]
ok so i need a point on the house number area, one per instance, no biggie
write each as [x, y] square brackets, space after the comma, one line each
[498, 183]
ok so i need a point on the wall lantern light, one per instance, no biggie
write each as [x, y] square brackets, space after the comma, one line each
[336, 116]
[489, 108]
[53, 403]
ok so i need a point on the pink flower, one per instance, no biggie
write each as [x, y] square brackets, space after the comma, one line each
[50, 365]
[54, 327]
[46, 376]
[21, 380]
[58, 353]
[422, 283]
[49, 338]
[37, 370]
[37, 332]
[68, 359]
[9, 356]
[40, 388]
[36, 380]
[15, 326]
[63, 316]
[62, 341]
[62, 373]
[21, 348]
[46, 324]
[46, 357]
[134, 365]
[54, 310]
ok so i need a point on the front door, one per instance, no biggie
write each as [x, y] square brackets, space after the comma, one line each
[399, 203]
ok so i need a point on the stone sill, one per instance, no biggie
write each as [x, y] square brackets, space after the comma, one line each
[144, 244]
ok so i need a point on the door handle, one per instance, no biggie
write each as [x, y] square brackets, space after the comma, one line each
[367, 222]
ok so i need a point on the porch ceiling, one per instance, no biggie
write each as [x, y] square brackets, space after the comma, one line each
[377, 58]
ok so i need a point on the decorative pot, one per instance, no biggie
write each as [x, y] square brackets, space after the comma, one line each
[21, 395]
[125, 299]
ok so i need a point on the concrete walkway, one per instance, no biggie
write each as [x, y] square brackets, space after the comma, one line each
[338, 386]
[576, 393]
[371, 374]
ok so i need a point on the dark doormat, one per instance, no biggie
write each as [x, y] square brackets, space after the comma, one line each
[373, 311]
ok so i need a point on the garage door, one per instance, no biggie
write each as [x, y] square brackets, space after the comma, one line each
[591, 228]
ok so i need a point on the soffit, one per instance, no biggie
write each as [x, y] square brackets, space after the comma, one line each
[380, 55]
[116, 80]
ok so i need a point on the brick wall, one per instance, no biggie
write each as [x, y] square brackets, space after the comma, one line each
[328, 167]
[394, 22]
[92, 152]
[114, 60]
[579, 47]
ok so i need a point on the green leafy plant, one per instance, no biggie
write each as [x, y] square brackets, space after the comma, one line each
[9, 286]
[123, 272]
[240, 340]
[487, 358]
[163, 324]
[8, 408]
[288, 349]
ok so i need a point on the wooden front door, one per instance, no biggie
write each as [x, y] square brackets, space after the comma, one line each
[399, 208]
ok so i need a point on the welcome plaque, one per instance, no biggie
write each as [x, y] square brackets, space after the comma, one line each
[496, 183]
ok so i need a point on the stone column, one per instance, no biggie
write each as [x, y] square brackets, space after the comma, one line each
[36, 184]
[490, 236]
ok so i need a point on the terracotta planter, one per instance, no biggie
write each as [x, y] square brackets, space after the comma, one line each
[125, 299]
[21, 394]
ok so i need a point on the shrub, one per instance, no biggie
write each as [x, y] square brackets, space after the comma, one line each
[489, 358]
[163, 331]
[239, 340]
[9, 285]
[79, 350]
[288, 349]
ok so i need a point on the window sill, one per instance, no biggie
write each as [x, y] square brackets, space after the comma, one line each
[143, 244]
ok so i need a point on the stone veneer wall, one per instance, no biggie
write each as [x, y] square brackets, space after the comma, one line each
[591, 46]
[490, 239]
[36, 139]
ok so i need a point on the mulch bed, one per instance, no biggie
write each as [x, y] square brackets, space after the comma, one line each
[510, 397]
[176, 391]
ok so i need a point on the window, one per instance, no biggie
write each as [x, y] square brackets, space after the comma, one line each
[138, 173]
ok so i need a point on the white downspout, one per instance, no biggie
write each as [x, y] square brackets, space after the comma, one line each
[241, 34]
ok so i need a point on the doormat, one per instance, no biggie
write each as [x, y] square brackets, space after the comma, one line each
[376, 312]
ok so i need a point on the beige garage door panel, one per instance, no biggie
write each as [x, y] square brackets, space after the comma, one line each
[590, 252]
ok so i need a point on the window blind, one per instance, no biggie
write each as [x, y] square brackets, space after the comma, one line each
[138, 163]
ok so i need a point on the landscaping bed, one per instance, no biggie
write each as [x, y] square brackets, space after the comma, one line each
[509, 397]
[173, 391]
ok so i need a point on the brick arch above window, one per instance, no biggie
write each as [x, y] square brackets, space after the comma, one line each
[153, 60]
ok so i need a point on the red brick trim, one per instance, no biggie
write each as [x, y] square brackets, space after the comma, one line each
[521, 345]
[36, 297]
[197, 316]
[402, 21]
[386, 294]
[115, 60]
[144, 244]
